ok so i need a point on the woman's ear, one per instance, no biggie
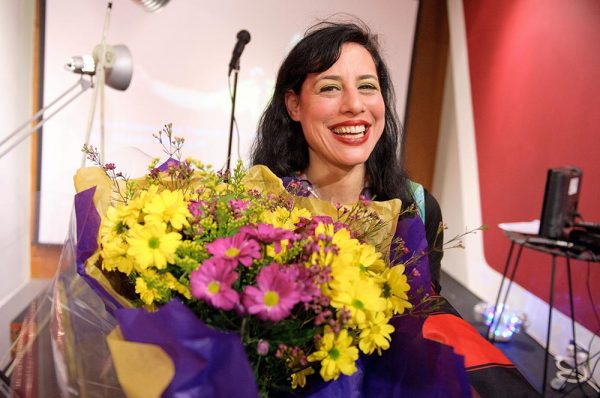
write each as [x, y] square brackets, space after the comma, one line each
[292, 103]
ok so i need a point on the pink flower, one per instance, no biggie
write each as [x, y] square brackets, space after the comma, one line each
[269, 234]
[212, 283]
[196, 208]
[304, 279]
[236, 249]
[238, 205]
[262, 348]
[274, 297]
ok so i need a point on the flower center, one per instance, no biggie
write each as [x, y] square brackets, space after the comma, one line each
[271, 298]
[334, 353]
[153, 243]
[232, 252]
[214, 287]
[387, 290]
[356, 303]
[120, 227]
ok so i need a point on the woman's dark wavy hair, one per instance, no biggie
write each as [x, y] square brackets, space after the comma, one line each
[280, 143]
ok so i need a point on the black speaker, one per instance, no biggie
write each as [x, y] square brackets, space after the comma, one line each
[560, 201]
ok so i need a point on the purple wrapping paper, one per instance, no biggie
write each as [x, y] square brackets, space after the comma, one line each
[412, 232]
[88, 225]
[209, 363]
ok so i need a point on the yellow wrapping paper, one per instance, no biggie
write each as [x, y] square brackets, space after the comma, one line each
[144, 370]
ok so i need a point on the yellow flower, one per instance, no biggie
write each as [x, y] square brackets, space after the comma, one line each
[133, 212]
[298, 213]
[395, 288]
[283, 218]
[337, 355]
[299, 378]
[362, 298]
[114, 254]
[151, 245]
[146, 287]
[169, 207]
[172, 283]
[370, 259]
[375, 334]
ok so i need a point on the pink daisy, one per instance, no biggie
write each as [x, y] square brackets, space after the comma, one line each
[274, 297]
[269, 234]
[212, 283]
[236, 249]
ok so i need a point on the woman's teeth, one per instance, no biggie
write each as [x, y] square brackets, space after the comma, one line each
[350, 130]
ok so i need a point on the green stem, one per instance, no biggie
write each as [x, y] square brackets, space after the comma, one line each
[243, 329]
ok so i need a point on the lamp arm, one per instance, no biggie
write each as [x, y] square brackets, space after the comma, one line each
[6, 146]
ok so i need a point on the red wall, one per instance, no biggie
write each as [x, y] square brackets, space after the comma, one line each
[535, 77]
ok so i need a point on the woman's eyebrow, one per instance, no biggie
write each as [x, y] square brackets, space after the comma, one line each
[339, 78]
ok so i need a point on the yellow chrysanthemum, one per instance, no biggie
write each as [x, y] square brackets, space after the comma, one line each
[370, 259]
[362, 298]
[133, 212]
[114, 254]
[343, 240]
[283, 218]
[168, 206]
[299, 378]
[337, 355]
[145, 286]
[375, 334]
[151, 245]
[395, 288]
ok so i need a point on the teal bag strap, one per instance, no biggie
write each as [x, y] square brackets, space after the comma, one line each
[419, 194]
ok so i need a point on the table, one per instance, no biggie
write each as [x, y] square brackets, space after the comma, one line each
[555, 248]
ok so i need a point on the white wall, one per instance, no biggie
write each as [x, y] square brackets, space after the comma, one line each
[456, 186]
[16, 53]
[16, 66]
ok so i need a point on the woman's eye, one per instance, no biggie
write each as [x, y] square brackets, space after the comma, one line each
[328, 88]
[368, 86]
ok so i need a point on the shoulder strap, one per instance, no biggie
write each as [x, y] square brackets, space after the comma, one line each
[419, 194]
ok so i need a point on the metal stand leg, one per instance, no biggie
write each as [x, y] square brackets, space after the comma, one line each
[496, 319]
[549, 324]
[572, 317]
[490, 334]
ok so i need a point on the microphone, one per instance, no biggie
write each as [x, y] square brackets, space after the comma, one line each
[243, 38]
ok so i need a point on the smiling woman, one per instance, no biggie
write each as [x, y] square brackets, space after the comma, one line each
[331, 128]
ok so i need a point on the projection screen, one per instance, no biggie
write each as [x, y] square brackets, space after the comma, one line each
[181, 56]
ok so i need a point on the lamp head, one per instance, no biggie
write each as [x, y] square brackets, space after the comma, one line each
[118, 65]
[152, 5]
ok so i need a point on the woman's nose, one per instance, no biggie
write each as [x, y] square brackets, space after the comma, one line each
[352, 102]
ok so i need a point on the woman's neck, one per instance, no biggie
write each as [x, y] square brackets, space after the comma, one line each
[338, 185]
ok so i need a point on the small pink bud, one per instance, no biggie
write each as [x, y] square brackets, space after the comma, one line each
[262, 348]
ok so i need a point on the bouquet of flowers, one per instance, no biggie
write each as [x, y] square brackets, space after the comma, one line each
[303, 284]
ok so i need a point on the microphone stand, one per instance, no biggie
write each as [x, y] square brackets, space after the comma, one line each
[232, 120]
[4, 149]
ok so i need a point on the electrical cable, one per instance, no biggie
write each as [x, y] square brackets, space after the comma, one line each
[592, 385]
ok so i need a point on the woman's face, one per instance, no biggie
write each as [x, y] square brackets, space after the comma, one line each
[341, 110]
